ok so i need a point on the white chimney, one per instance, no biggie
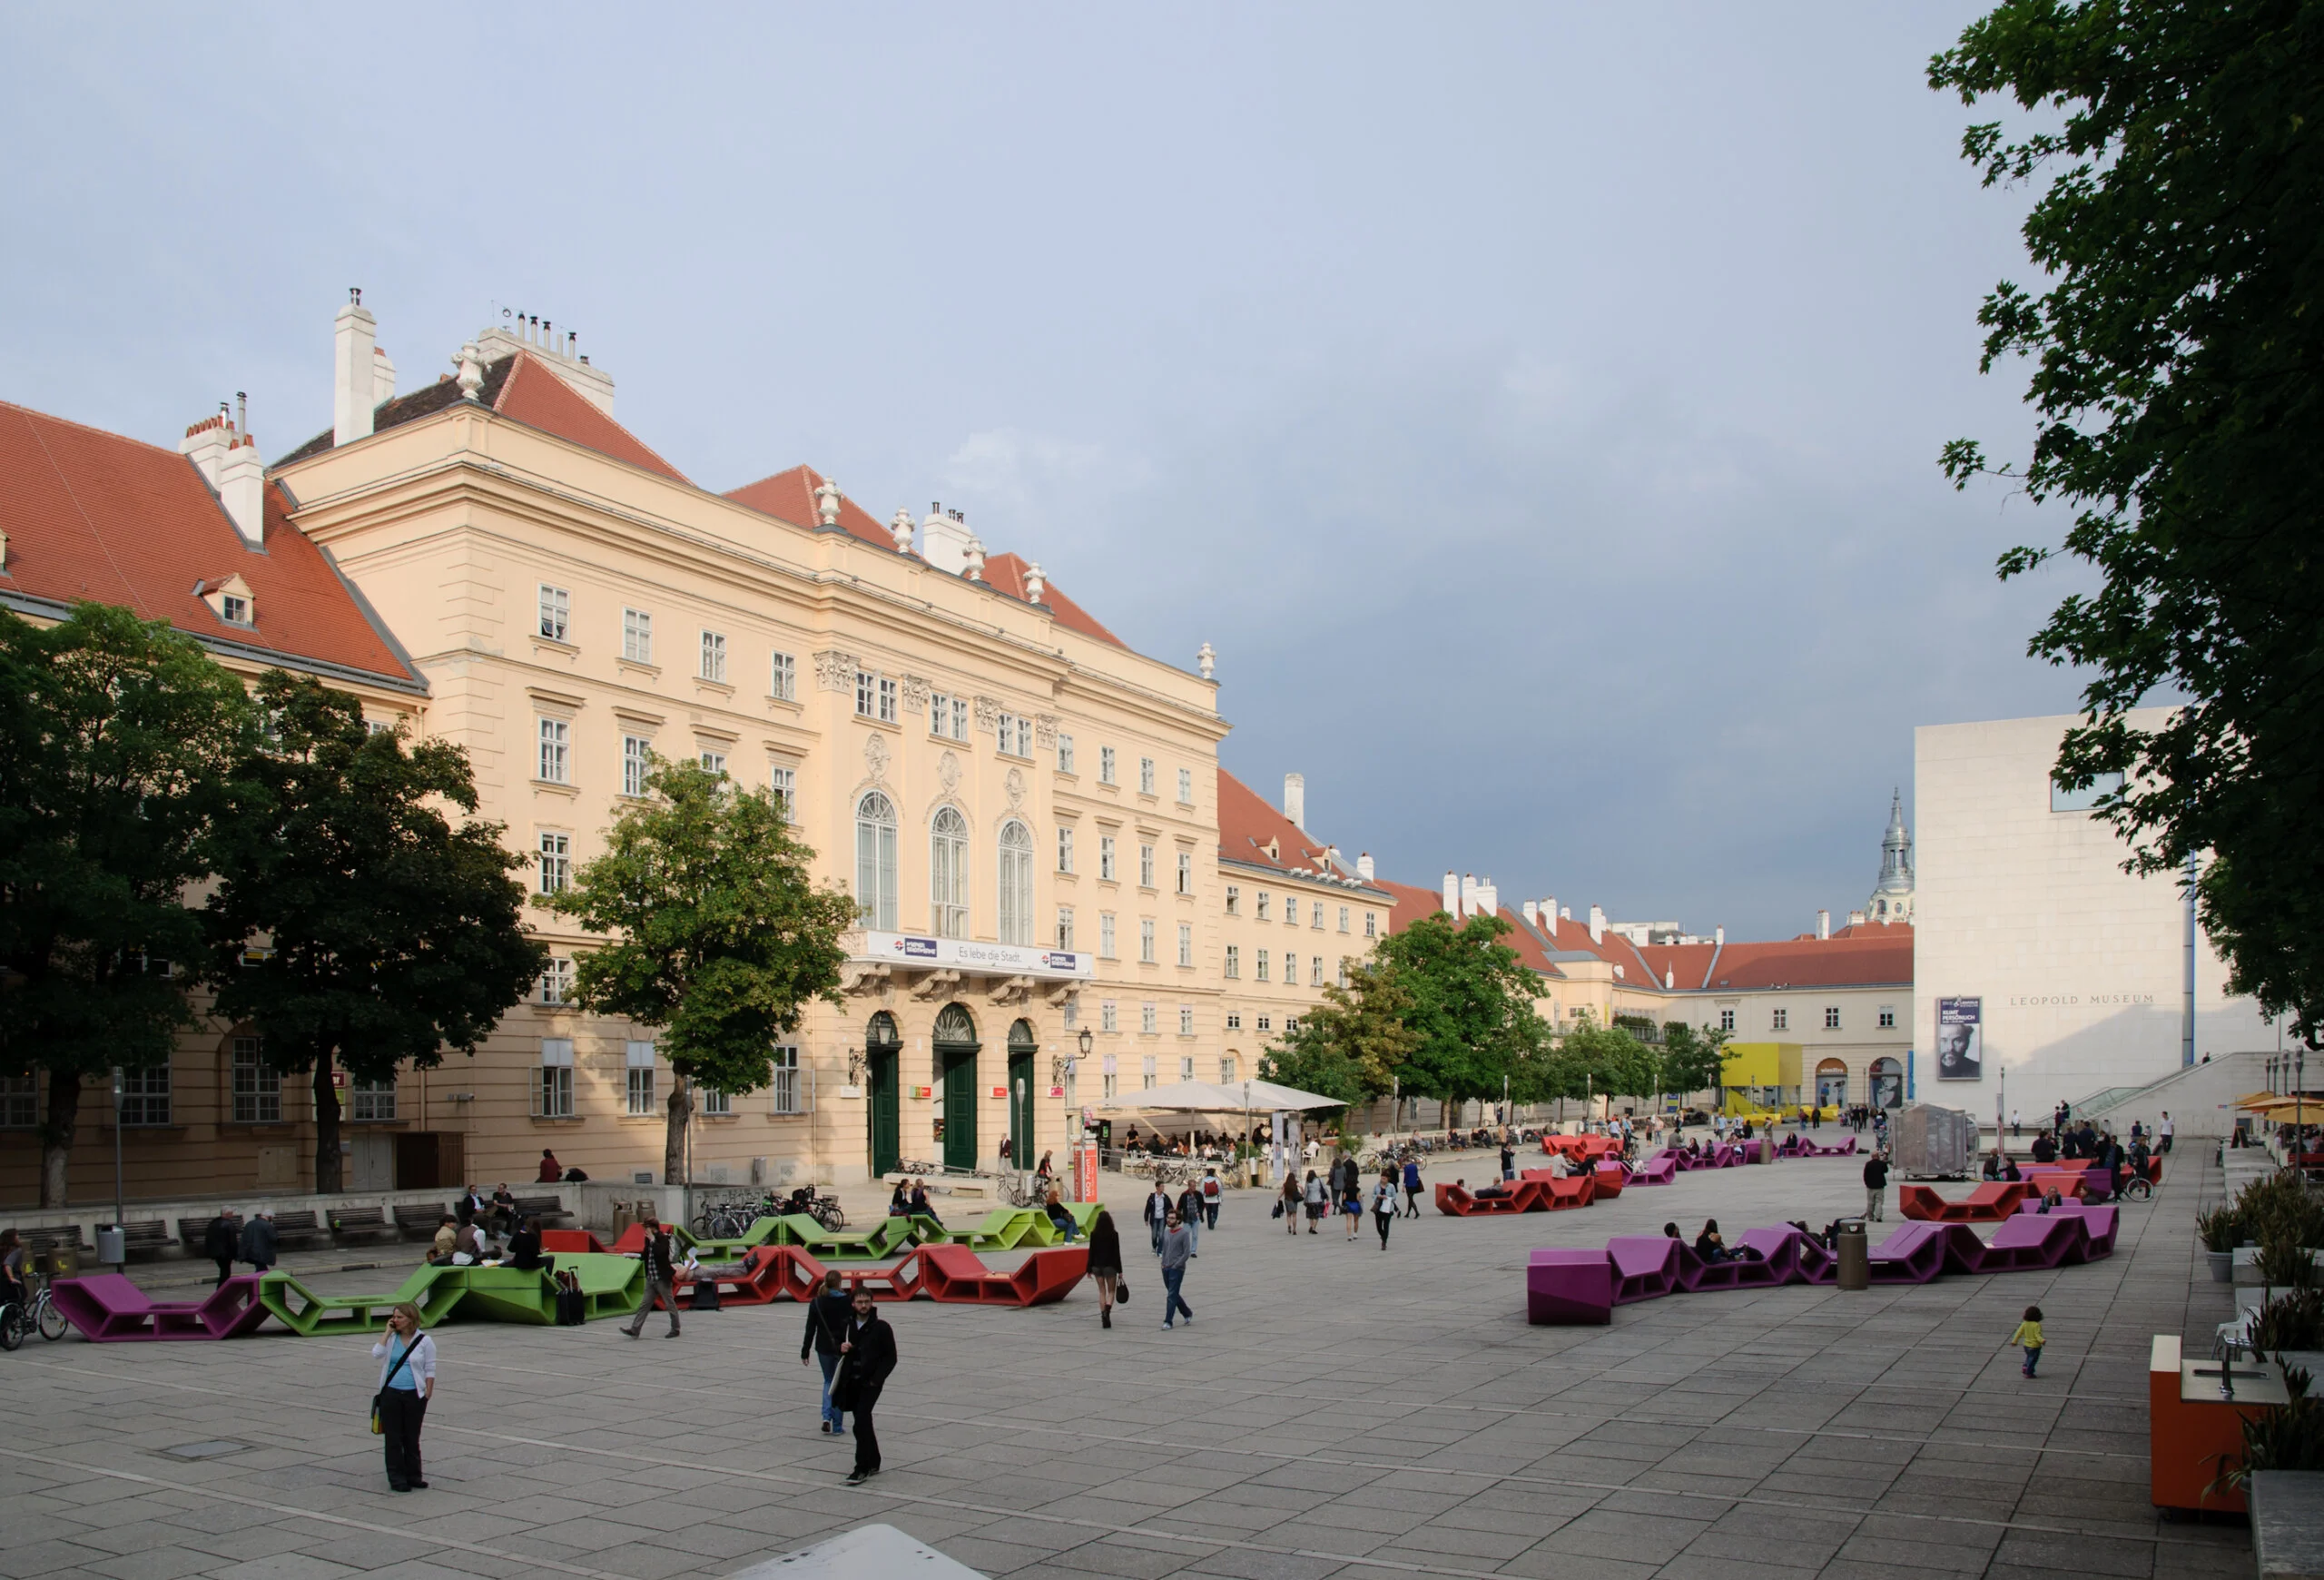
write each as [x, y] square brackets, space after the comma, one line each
[1467, 895]
[383, 377]
[1565, 913]
[1532, 914]
[1669, 978]
[1855, 918]
[228, 459]
[1488, 899]
[1823, 924]
[1718, 936]
[1453, 894]
[354, 371]
[1597, 925]
[521, 332]
[944, 540]
[1364, 867]
[1294, 800]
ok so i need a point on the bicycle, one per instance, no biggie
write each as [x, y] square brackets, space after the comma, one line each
[37, 1313]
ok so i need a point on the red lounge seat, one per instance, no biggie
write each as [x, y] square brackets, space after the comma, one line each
[1992, 1203]
[578, 1240]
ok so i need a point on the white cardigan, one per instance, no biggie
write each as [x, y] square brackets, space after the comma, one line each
[421, 1368]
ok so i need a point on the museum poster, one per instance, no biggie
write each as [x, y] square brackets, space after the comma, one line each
[1960, 1039]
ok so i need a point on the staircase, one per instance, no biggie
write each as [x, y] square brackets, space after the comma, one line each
[2200, 1097]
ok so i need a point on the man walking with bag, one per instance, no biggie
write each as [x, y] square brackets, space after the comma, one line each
[1876, 1186]
[661, 1281]
[828, 1317]
[867, 1355]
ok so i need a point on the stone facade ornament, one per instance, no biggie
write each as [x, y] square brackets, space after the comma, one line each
[900, 528]
[987, 714]
[827, 502]
[875, 756]
[1037, 586]
[1206, 659]
[835, 670]
[915, 693]
[1045, 731]
[1014, 787]
[471, 362]
[948, 772]
[976, 557]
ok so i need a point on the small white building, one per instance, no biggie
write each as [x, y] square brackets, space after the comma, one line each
[2043, 971]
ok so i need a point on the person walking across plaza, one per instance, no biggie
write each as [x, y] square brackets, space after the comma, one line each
[1352, 1199]
[1385, 1204]
[828, 1316]
[1411, 1187]
[1189, 1205]
[2164, 1132]
[1212, 1191]
[1178, 1245]
[1157, 1208]
[1105, 1264]
[1876, 1186]
[1316, 1200]
[1508, 1160]
[661, 1281]
[867, 1355]
[220, 1241]
[257, 1239]
[2028, 1338]
[1287, 1202]
[406, 1358]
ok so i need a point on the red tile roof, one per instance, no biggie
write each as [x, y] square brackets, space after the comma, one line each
[1875, 956]
[790, 496]
[93, 515]
[1247, 826]
[533, 395]
[1412, 903]
[1007, 572]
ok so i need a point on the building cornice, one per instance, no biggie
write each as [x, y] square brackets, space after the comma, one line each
[246, 652]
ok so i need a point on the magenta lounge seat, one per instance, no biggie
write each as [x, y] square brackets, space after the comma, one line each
[107, 1307]
[1646, 1266]
[1569, 1285]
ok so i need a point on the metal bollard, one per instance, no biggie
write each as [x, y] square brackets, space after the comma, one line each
[1855, 1250]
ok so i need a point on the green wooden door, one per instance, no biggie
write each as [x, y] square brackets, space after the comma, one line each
[883, 1057]
[956, 1068]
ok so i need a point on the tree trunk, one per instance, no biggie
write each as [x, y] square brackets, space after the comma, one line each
[673, 1142]
[328, 1160]
[56, 1136]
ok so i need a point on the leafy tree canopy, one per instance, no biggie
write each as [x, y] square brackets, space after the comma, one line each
[2176, 353]
[1353, 1044]
[1693, 1060]
[1471, 1010]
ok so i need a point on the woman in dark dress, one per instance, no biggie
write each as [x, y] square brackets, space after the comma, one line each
[1105, 1264]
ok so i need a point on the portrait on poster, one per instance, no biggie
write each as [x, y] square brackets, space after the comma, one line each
[1960, 1039]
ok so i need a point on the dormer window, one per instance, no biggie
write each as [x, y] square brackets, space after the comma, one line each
[228, 597]
[233, 609]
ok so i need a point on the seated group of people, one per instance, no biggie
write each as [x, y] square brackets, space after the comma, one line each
[1711, 1246]
[911, 1200]
[472, 1233]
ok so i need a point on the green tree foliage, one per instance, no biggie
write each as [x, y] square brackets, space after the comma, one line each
[1353, 1044]
[1471, 1011]
[1605, 1061]
[115, 735]
[1693, 1060]
[2177, 354]
[394, 933]
[717, 935]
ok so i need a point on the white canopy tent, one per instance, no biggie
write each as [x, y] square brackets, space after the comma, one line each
[1209, 1097]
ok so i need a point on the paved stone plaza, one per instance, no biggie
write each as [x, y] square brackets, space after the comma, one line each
[1332, 1411]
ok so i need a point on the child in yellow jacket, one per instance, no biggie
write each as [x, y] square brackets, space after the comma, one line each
[2029, 1337]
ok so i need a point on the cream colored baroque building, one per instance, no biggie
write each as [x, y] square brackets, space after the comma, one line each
[1024, 808]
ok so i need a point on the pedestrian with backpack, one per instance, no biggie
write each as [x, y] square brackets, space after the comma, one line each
[828, 1317]
[1411, 1187]
[1210, 1195]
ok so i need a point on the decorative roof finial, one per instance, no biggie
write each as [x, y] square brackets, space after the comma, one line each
[900, 527]
[1206, 660]
[471, 362]
[976, 557]
[827, 502]
[1037, 586]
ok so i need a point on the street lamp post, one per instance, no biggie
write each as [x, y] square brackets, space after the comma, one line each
[119, 1206]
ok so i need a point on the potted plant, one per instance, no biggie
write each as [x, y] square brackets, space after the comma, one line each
[2292, 1329]
[2220, 1230]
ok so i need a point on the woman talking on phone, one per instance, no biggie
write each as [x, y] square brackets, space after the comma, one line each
[407, 1360]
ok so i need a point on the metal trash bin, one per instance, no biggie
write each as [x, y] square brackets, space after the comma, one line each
[62, 1261]
[112, 1245]
[1855, 1250]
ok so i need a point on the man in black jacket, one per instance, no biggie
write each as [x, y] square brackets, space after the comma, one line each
[1876, 1186]
[867, 1355]
[661, 1281]
[828, 1317]
[258, 1240]
[220, 1241]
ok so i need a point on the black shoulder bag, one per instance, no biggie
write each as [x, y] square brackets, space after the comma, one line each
[379, 1398]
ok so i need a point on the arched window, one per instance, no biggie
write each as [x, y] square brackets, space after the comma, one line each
[875, 862]
[1016, 883]
[947, 875]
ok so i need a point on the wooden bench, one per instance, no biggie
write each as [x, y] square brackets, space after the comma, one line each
[549, 1209]
[44, 1239]
[361, 1223]
[295, 1229]
[421, 1222]
[146, 1238]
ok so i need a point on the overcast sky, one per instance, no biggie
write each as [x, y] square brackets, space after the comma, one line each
[1536, 407]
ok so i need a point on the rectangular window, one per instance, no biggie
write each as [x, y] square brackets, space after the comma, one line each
[637, 635]
[1186, 944]
[145, 1096]
[557, 739]
[1065, 754]
[787, 1095]
[1234, 1022]
[1343, 914]
[1106, 857]
[1144, 866]
[1265, 901]
[1187, 1029]
[1146, 940]
[1266, 1023]
[887, 700]
[258, 1086]
[1291, 909]
[1065, 850]
[1342, 980]
[371, 1101]
[1185, 873]
[1235, 960]
[783, 678]
[556, 608]
[1290, 969]
[939, 712]
[1106, 933]
[1146, 1073]
[713, 762]
[1727, 1020]
[556, 980]
[1262, 965]
[1146, 775]
[1315, 970]
[1315, 914]
[1186, 787]
[1149, 1024]
[1290, 1024]
[1065, 928]
[19, 1102]
[553, 1093]
[714, 656]
[235, 610]
[783, 787]
[1227, 1069]
[1831, 1017]
[1234, 899]
[1372, 925]
[636, 764]
[716, 1104]
[960, 719]
[637, 1070]
[1887, 1018]
[866, 692]
[1782, 1021]
[1105, 764]
[1109, 1020]
[1112, 1079]
[556, 862]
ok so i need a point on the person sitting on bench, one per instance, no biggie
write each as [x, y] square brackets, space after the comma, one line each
[448, 1237]
[1709, 1244]
[1058, 1216]
[525, 1248]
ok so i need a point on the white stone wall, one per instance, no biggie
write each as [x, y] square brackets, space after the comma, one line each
[2080, 966]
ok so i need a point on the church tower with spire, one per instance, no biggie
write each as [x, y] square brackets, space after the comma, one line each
[1892, 897]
